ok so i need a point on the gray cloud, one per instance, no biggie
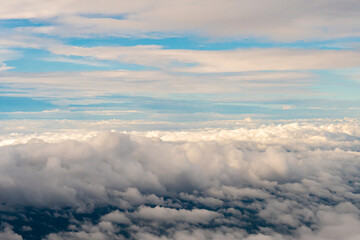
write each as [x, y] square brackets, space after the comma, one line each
[7, 233]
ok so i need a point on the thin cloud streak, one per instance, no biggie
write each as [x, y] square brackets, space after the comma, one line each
[277, 20]
[238, 60]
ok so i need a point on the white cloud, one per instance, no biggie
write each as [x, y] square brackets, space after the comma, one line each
[292, 180]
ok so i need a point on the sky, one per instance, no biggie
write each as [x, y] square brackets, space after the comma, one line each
[179, 61]
[192, 119]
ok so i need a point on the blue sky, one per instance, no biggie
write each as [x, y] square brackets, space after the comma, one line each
[177, 62]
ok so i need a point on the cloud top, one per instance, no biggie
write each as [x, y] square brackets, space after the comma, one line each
[296, 180]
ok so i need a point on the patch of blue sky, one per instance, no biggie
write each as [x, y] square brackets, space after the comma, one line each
[310, 113]
[187, 42]
[13, 90]
[338, 84]
[340, 43]
[170, 105]
[197, 43]
[72, 116]
[152, 108]
[14, 23]
[37, 60]
[298, 107]
[24, 104]
[315, 103]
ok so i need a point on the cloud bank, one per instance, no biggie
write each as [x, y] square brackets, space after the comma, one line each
[287, 181]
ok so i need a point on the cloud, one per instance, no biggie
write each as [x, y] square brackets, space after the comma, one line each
[292, 181]
[334, 226]
[162, 214]
[75, 61]
[276, 19]
[7, 233]
[4, 67]
[238, 60]
[116, 217]
[65, 88]
[5, 55]
[251, 180]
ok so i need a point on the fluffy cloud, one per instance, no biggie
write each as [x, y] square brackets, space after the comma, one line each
[291, 181]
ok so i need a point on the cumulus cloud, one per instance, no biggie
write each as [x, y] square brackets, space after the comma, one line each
[287, 181]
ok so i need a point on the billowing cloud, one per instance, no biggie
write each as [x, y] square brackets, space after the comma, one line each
[287, 181]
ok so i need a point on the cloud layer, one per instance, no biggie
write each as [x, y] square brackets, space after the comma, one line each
[291, 181]
[276, 19]
[80, 53]
[236, 60]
